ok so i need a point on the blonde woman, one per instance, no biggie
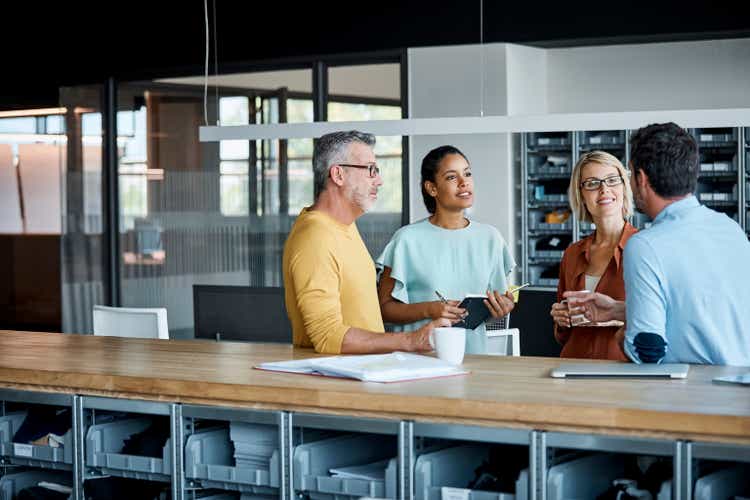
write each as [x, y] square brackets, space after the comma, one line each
[599, 192]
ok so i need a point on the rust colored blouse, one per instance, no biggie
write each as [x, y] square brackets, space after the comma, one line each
[591, 342]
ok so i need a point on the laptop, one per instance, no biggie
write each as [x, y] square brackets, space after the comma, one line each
[605, 370]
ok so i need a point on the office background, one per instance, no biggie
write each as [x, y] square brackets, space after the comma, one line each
[108, 197]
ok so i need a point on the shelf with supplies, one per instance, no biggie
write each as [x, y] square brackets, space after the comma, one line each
[546, 163]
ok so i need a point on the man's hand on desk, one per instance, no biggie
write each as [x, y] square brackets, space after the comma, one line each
[419, 340]
[597, 307]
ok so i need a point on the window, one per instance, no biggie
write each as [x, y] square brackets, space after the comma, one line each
[234, 159]
[133, 168]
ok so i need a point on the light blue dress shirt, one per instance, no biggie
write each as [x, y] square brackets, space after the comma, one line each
[687, 279]
[456, 262]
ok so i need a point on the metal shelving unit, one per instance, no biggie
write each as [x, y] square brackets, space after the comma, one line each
[743, 149]
[546, 225]
[723, 185]
[719, 175]
[409, 435]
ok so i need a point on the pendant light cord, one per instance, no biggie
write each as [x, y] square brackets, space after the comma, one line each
[205, 66]
[481, 57]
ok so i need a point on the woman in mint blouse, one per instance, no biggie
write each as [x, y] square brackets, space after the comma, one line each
[445, 252]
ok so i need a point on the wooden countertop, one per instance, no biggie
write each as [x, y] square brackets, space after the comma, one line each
[502, 391]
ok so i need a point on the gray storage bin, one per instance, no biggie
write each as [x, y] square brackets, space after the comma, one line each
[536, 279]
[577, 478]
[549, 165]
[312, 462]
[104, 443]
[585, 477]
[536, 222]
[724, 483]
[208, 458]
[11, 484]
[451, 467]
[602, 138]
[215, 496]
[565, 226]
[711, 136]
[30, 454]
[545, 140]
[546, 254]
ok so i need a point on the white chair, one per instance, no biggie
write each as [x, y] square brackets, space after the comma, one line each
[145, 323]
[499, 340]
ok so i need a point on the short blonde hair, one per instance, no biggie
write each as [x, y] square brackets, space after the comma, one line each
[575, 199]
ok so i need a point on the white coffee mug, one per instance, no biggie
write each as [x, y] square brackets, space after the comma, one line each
[450, 344]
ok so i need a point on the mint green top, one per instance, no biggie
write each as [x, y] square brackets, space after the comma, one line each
[455, 262]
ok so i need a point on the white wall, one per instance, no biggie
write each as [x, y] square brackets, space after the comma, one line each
[527, 80]
[680, 75]
[446, 81]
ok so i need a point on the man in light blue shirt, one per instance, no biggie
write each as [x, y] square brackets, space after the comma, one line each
[687, 277]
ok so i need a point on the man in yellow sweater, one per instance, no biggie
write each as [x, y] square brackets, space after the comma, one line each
[329, 276]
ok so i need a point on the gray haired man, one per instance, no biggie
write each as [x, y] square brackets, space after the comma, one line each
[329, 277]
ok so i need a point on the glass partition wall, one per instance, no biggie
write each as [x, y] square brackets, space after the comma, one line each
[193, 213]
[32, 166]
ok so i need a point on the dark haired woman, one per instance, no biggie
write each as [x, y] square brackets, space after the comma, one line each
[445, 253]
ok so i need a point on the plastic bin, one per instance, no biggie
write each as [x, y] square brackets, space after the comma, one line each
[711, 136]
[555, 165]
[104, 443]
[535, 278]
[11, 484]
[217, 496]
[608, 138]
[534, 224]
[209, 458]
[544, 139]
[724, 483]
[452, 467]
[30, 454]
[312, 462]
[579, 478]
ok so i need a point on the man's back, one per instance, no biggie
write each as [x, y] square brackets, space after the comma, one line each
[688, 279]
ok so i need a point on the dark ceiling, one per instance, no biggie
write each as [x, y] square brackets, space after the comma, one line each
[66, 43]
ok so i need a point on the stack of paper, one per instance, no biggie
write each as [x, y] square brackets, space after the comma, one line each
[253, 444]
[394, 367]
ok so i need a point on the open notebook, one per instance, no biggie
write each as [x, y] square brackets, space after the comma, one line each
[394, 367]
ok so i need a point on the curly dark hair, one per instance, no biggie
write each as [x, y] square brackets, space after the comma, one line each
[430, 167]
[668, 154]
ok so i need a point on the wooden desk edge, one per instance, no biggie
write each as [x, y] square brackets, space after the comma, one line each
[740, 439]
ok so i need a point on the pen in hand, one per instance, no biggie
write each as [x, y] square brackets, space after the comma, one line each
[445, 301]
[516, 288]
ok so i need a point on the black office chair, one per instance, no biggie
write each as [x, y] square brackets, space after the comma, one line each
[243, 313]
